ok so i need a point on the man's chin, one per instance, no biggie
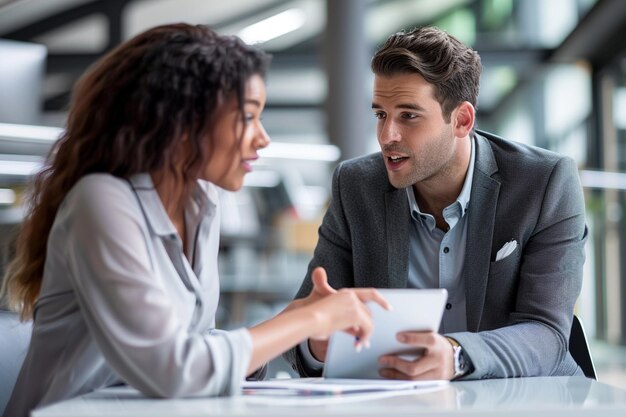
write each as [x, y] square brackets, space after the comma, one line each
[398, 182]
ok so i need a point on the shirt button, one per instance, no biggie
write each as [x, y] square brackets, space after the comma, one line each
[446, 249]
[448, 306]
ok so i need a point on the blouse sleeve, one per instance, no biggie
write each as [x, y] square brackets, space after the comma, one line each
[126, 307]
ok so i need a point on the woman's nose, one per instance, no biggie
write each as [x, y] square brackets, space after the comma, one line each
[262, 138]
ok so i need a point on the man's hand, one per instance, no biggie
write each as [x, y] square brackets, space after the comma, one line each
[437, 361]
[318, 349]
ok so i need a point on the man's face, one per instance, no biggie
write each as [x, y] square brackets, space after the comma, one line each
[417, 143]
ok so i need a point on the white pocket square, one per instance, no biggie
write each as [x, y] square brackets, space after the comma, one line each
[506, 250]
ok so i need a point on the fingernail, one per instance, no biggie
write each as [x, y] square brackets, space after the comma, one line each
[367, 344]
[389, 307]
[402, 338]
[358, 347]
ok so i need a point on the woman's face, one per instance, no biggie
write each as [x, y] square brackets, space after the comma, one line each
[236, 141]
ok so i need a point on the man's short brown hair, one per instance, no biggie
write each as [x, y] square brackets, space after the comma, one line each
[449, 65]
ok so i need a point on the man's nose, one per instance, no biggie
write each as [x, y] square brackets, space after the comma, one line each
[388, 133]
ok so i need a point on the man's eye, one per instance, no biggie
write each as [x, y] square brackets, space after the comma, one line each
[409, 116]
[379, 115]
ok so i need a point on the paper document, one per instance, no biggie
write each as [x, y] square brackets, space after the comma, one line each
[312, 386]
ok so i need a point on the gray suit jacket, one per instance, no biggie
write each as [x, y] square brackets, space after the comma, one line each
[519, 309]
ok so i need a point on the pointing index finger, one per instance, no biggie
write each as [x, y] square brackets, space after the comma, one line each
[371, 294]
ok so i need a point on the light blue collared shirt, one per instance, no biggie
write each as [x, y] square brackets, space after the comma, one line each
[430, 264]
[436, 257]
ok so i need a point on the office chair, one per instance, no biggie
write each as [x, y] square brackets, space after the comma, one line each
[579, 349]
[14, 340]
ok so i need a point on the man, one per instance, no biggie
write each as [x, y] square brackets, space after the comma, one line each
[498, 224]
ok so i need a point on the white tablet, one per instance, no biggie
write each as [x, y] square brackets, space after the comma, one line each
[413, 310]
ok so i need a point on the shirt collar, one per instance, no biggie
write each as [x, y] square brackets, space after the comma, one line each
[464, 196]
[204, 198]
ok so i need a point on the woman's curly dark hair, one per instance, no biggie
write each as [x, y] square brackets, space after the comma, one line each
[128, 114]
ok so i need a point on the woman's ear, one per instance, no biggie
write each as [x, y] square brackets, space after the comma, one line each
[463, 119]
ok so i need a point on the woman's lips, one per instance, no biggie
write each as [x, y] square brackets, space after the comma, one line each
[247, 163]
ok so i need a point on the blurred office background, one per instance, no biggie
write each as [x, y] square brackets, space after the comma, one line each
[554, 76]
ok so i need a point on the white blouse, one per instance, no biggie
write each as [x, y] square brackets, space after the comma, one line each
[121, 303]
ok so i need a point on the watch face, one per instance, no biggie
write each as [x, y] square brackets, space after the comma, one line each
[459, 362]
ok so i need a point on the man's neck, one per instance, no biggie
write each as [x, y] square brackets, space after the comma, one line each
[436, 193]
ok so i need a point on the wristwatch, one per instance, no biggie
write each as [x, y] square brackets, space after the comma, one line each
[461, 367]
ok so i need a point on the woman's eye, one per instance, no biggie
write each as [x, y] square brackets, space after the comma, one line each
[248, 117]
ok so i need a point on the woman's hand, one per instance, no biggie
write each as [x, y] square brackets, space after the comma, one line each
[344, 310]
[318, 345]
[340, 311]
[321, 289]
[315, 317]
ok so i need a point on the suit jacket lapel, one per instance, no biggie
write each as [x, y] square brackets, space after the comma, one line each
[482, 211]
[398, 222]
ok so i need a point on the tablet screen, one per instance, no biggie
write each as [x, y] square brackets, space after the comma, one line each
[413, 310]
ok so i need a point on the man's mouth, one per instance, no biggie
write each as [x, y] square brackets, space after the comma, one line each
[396, 160]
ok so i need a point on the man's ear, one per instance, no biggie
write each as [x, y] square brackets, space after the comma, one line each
[463, 119]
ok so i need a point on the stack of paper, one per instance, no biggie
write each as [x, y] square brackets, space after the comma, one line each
[312, 386]
[323, 391]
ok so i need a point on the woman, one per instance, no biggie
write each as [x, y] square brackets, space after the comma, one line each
[116, 260]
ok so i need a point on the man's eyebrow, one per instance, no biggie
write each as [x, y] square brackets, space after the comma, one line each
[407, 106]
[410, 106]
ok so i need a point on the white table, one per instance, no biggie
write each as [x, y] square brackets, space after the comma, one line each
[547, 396]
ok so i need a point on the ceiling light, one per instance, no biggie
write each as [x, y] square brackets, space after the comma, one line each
[273, 27]
[19, 168]
[267, 179]
[304, 151]
[603, 179]
[619, 107]
[7, 196]
[40, 133]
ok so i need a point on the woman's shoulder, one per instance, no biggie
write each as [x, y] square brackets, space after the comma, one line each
[99, 192]
[101, 179]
